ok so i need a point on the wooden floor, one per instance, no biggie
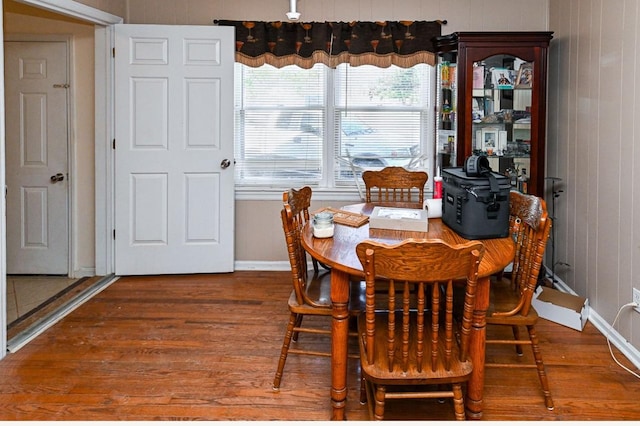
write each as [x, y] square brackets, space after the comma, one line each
[206, 347]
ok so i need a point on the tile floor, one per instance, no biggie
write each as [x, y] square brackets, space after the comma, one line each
[26, 292]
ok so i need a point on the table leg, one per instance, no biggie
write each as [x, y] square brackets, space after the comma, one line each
[475, 387]
[339, 342]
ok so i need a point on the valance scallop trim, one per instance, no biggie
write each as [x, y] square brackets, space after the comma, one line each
[402, 43]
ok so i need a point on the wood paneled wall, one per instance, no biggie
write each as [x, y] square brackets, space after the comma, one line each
[593, 140]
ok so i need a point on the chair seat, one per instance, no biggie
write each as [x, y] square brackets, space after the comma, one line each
[379, 369]
[504, 299]
[319, 289]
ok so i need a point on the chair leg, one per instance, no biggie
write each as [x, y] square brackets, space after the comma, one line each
[380, 397]
[297, 324]
[458, 401]
[293, 319]
[537, 355]
[516, 336]
[315, 265]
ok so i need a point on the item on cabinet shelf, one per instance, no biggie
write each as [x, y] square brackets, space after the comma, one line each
[476, 206]
[399, 218]
[523, 181]
[502, 78]
[445, 74]
[489, 138]
[446, 140]
[525, 76]
[502, 142]
[478, 76]
[513, 177]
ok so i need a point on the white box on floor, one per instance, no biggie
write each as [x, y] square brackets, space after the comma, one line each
[399, 218]
[560, 307]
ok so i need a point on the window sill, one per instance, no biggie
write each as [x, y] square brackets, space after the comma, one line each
[275, 194]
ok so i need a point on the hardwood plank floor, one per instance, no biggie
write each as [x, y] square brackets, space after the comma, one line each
[206, 347]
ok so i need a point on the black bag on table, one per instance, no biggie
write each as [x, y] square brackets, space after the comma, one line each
[475, 200]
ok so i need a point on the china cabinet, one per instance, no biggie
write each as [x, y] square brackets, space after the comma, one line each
[491, 100]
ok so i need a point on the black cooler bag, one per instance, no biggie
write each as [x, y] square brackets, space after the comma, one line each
[476, 207]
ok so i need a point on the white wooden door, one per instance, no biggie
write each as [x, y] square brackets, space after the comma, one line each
[36, 80]
[174, 189]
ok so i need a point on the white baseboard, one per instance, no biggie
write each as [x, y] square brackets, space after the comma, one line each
[280, 265]
[84, 272]
[604, 327]
[250, 265]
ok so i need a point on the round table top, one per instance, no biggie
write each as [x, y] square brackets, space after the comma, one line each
[339, 251]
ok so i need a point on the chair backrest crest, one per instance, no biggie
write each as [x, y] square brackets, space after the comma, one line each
[530, 226]
[394, 184]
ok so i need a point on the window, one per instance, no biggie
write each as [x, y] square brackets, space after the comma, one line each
[321, 126]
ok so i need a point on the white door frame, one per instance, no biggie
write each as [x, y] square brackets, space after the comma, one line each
[104, 133]
[71, 160]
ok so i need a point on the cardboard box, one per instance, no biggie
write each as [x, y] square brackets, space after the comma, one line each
[560, 307]
[399, 218]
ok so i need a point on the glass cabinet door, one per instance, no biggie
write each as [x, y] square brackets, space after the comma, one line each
[501, 114]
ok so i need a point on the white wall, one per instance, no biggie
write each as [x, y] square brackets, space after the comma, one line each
[462, 15]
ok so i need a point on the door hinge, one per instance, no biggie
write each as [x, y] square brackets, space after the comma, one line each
[114, 234]
[113, 52]
[114, 144]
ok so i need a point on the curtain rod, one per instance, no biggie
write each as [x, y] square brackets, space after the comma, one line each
[440, 21]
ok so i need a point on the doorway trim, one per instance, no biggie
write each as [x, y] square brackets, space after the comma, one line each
[103, 98]
[71, 139]
[75, 10]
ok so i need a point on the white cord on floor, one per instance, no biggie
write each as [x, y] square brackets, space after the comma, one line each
[628, 305]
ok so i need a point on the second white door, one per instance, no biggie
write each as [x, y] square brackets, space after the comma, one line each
[36, 83]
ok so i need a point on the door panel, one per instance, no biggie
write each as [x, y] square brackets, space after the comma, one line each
[174, 127]
[37, 164]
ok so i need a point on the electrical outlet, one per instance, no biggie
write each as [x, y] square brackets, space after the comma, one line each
[636, 299]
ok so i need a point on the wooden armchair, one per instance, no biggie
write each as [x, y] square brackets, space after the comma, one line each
[311, 295]
[395, 185]
[413, 342]
[511, 299]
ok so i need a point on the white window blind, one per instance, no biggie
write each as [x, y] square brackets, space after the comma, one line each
[380, 117]
[309, 127]
[279, 124]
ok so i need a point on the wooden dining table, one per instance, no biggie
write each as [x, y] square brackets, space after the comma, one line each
[339, 253]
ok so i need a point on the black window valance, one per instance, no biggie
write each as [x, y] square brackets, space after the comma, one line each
[401, 43]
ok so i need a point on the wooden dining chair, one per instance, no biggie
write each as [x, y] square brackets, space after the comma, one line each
[414, 342]
[302, 199]
[511, 294]
[395, 185]
[311, 294]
